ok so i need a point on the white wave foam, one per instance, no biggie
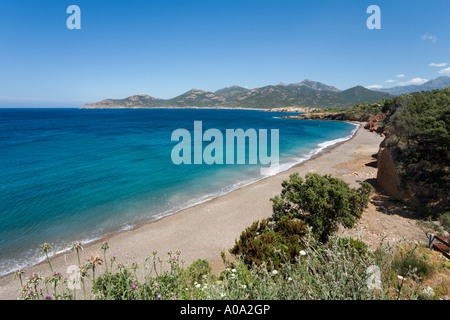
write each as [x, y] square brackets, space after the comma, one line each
[33, 257]
[36, 258]
[275, 169]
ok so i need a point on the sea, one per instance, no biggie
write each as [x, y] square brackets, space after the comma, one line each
[80, 174]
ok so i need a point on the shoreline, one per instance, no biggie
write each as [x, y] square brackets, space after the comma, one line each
[163, 233]
[149, 108]
[196, 201]
[320, 148]
[280, 110]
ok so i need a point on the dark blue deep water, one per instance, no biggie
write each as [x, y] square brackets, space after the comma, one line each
[74, 174]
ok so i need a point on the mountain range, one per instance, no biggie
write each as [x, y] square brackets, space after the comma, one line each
[303, 94]
[438, 83]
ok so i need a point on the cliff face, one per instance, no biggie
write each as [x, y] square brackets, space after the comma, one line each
[376, 124]
[395, 179]
[413, 160]
[388, 178]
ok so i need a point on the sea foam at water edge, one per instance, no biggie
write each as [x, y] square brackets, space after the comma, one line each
[77, 175]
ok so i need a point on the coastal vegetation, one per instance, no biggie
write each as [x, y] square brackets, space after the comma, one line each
[417, 131]
[322, 202]
[417, 128]
[419, 140]
[341, 269]
[296, 253]
[282, 257]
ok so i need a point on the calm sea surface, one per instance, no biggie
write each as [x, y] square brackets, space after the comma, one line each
[73, 174]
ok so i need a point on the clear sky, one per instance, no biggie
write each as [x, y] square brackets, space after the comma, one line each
[164, 48]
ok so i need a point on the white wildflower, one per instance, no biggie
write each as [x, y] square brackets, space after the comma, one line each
[428, 291]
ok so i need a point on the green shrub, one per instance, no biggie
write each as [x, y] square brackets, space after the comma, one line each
[322, 202]
[419, 135]
[198, 270]
[115, 286]
[274, 243]
[445, 221]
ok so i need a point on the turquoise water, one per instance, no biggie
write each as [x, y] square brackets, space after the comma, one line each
[76, 175]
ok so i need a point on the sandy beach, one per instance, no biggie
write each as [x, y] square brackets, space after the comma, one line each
[204, 230]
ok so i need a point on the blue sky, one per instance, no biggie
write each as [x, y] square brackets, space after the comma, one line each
[164, 48]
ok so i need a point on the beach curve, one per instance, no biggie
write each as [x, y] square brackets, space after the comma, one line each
[204, 230]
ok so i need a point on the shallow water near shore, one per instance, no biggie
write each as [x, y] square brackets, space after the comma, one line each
[73, 174]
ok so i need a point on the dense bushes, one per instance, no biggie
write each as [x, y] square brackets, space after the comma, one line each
[322, 202]
[419, 136]
[273, 244]
[417, 127]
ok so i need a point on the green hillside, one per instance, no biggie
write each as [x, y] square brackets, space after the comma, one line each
[304, 94]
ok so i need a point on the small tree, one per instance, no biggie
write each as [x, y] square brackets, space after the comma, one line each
[272, 243]
[322, 202]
